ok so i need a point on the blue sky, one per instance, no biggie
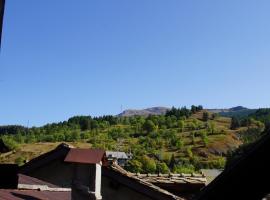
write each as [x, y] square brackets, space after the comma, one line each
[63, 58]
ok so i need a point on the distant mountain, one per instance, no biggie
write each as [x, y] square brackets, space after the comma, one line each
[238, 111]
[144, 112]
[224, 110]
[238, 108]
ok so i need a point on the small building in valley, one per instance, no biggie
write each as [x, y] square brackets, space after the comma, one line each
[121, 158]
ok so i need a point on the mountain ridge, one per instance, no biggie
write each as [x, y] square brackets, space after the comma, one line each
[161, 110]
[158, 110]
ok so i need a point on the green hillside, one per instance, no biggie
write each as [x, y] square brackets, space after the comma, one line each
[182, 140]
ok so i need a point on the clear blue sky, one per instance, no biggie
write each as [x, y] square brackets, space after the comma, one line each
[61, 58]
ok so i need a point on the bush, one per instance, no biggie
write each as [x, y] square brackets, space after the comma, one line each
[20, 160]
[135, 166]
[19, 138]
[218, 163]
[48, 138]
[189, 152]
[205, 116]
[149, 165]
[180, 144]
[172, 162]
[149, 126]
[165, 157]
[59, 137]
[75, 136]
[117, 133]
[204, 138]
[10, 143]
[188, 169]
[162, 168]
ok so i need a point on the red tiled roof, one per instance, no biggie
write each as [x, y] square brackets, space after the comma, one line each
[33, 194]
[86, 156]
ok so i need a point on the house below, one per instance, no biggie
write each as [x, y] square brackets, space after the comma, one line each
[121, 158]
[60, 174]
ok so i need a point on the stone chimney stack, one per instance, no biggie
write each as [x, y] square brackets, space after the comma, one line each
[87, 166]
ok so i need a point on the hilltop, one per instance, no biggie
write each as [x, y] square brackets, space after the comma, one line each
[237, 111]
[144, 112]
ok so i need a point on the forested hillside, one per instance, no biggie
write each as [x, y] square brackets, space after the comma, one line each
[182, 140]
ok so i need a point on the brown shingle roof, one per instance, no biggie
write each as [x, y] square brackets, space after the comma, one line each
[86, 156]
[59, 153]
[126, 178]
[33, 195]
[173, 178]
[28, 180]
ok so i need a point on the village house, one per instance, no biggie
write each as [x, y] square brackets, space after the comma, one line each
[121, 158]
[60, 174]
[70, 173]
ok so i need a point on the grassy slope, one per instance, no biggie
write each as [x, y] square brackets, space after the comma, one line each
[218, 144]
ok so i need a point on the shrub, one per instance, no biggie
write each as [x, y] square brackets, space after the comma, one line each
[204, 138]
[218, 163]
[20, 160]
[10, 143]
[172, 162]
[162, 168]
[135, 166]
[189, 152]
[180, 144]
[149, 165]
[48, 138]
[188, 169]
[205, 116]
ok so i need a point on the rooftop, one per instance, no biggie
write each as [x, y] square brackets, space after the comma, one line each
[116, 154]
[86, 156]
[33, 195]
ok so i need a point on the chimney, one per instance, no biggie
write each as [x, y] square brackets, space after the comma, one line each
[86, 182]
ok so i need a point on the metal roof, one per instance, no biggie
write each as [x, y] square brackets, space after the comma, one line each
[116, 154]
[85, 156]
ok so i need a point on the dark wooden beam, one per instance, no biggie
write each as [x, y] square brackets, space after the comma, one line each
[2, 8]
